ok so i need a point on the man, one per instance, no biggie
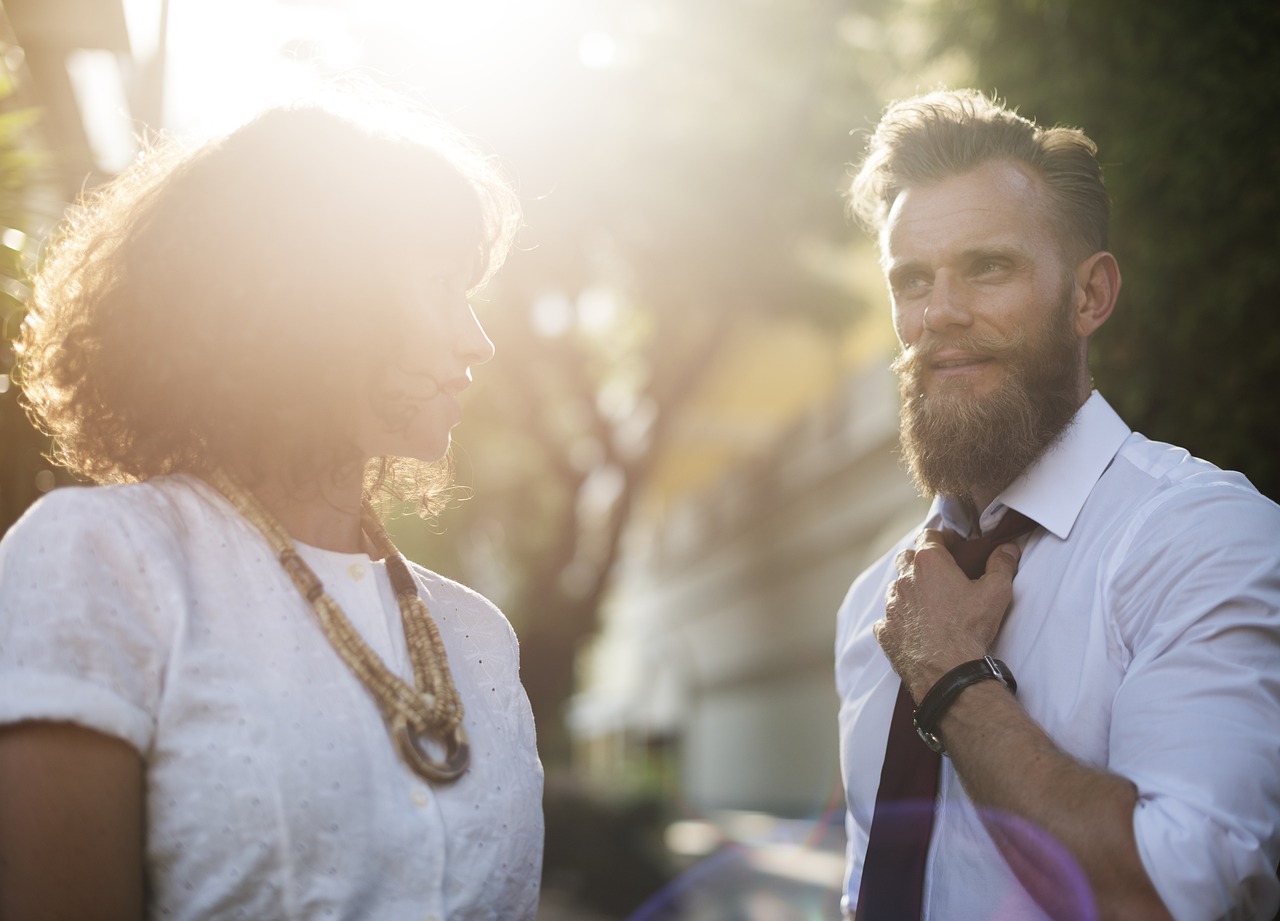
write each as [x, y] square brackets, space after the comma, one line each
[1135, 770]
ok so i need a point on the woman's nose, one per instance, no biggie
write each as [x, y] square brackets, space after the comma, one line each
[474, 345]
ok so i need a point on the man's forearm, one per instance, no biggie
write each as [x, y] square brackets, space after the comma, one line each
[1008, 764]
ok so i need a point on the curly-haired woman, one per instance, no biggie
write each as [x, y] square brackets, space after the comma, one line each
[223, 693]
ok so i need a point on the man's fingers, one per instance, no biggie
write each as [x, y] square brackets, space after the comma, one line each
[930, 537]
[1004, 560]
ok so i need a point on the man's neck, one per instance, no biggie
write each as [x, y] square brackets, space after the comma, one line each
[980, 498]
[972, 511]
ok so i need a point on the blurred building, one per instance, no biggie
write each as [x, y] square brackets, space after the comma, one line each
[712, 676]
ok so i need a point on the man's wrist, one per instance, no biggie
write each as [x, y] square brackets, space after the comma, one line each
[927, 675]
[944, 692]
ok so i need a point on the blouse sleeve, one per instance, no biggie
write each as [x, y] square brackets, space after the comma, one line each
[86, 614]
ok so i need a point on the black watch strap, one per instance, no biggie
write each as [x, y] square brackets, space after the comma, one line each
[943, 694]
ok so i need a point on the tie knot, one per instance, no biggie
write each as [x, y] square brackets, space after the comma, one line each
[972, 554]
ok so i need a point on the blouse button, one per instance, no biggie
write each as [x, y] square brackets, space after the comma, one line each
[356, 571]
[420, 797]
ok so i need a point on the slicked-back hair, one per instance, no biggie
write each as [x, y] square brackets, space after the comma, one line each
[926, 139]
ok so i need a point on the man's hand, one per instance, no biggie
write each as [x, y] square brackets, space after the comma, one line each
[936, 617]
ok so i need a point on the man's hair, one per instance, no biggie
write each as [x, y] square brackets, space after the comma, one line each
[929, 138]
[231, 304]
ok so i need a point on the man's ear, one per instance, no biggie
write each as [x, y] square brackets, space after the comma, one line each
[1097, 284]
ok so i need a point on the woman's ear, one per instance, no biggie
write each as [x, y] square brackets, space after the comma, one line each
[1097, 283]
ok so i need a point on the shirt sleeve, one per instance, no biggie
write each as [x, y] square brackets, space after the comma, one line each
[85, 615]
[1197, 599]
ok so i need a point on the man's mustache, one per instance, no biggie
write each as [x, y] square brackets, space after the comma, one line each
[912, 361]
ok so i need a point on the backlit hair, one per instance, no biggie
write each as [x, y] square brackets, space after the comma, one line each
[230, 304]
[929, 138]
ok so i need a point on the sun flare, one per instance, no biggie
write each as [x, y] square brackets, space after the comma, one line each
[230, 59]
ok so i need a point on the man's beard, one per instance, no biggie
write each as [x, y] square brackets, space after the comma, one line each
[961, 445]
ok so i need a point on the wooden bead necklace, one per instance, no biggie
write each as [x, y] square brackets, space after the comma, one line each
[432, 709]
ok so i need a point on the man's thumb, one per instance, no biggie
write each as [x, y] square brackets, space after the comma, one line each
[1004, 560]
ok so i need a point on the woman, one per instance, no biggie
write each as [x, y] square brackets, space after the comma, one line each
[223, 692]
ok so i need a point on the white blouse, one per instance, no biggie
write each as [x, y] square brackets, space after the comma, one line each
[154, 613]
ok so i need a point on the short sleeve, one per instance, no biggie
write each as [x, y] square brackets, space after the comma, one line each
[86, 614]
[1195, 718]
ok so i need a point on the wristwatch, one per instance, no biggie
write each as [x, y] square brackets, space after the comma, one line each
[943, 694]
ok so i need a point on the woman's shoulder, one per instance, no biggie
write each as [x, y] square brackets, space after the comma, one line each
[156, 511]
[449, 591]
[452, 602]
[119, 503]
[70, 510]
[474, 632]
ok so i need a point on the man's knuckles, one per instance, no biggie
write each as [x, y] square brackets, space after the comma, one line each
[930, 537]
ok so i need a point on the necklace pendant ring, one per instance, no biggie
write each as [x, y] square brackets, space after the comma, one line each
[456, 759]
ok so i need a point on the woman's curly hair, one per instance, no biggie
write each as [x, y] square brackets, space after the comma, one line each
[229, 304]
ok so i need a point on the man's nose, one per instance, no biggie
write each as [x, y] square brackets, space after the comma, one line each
[948, 303]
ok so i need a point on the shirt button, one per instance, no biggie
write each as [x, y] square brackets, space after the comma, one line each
[420, 797]
[356, 571]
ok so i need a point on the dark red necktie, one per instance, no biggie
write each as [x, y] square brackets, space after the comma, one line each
[893, 872]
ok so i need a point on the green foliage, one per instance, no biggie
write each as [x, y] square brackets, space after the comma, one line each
[24, 166]
[19, 165]
[1183, 100]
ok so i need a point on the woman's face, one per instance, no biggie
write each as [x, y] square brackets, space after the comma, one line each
[414, 403]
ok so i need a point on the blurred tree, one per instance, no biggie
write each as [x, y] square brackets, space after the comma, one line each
[693, 178]
[1183, 100]
[23, 171]
[668, 196]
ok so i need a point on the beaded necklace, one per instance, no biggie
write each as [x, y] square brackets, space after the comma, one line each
[432, 709]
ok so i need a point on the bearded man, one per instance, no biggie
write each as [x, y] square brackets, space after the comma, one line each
[1083, 722]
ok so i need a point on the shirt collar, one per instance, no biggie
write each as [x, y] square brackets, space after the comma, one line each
[1053, 490]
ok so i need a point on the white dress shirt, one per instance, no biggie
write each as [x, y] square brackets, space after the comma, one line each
[154, 613]
[1144, 634]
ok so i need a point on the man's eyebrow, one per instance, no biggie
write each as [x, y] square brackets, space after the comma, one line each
[988, 250]
[994, 251]
[894, 271]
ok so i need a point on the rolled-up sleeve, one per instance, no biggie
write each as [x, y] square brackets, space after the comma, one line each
[1196, 719]
[83, 619]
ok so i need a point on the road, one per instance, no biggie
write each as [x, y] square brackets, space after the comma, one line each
[738, 867]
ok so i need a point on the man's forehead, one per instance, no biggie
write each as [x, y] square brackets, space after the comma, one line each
[998, 202]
